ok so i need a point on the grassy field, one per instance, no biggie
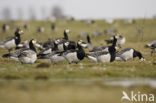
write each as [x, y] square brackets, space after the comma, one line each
[29, 84]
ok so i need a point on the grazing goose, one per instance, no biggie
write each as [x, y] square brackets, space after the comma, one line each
[74, 56]
[104, 56]
[28, 56]
[128, 53]
[97, 33]
[152, 46]
[15, 54]
[104, 48]
[12, 42]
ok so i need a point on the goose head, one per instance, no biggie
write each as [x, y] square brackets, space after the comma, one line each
[66, 31]
[66, 44]
[57, 41]
[82, 44]
[18, 31]
[32, 43]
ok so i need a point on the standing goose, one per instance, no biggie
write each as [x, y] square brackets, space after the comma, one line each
[74, 56]
[14, 54]
[5, 27]
[104, 56]
[12, 42]
[28, 56]
[152, 46]
[128, 53]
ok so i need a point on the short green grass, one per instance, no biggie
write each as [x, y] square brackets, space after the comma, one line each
[85, 69]
[41, 90]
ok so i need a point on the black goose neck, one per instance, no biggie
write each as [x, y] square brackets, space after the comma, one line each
[65, 35]
[137, 54]
[88, 39]
[17, 38]
[31, 46]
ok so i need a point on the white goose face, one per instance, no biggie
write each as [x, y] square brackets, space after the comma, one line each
[21, 32]
[34, 41]
[80, 42]
[57, 41]
[66, 44]
[67, 30]
[116, 36]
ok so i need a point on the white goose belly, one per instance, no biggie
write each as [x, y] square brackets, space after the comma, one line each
[60, 47]
[28, 59]
[104, 58]
[93, 58]
[72, 57]
[127, 55]
[10, 44]
[55, 58]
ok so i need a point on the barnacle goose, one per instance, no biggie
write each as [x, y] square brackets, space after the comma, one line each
[88, 44]
[83, 34]
[104, 56]
[53, 27]
[26, 26]
[40, 29]
[53, 56]
[5, 27]
[15, 54]
[57, 48]
[121, 40]
[28, 56]
[24, 44]
[12, 42]
[51, 42]
[74, 56]
[152, 46]
[128, 53]
[97, 33]
[104, 48]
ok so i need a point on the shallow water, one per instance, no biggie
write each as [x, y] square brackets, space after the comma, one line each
[108, 82]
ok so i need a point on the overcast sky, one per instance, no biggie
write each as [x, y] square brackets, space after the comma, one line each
[84, 8]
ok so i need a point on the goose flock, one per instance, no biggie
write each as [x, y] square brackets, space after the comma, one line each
[63, 49]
